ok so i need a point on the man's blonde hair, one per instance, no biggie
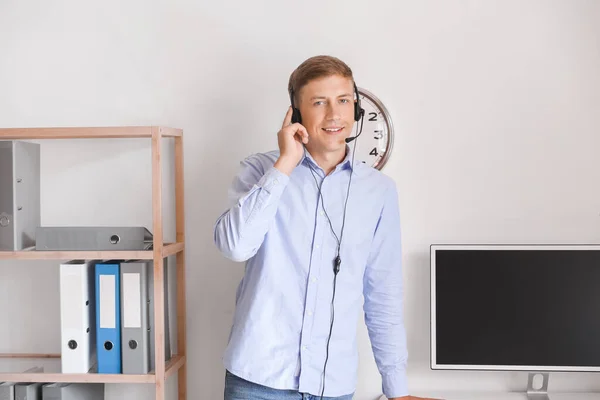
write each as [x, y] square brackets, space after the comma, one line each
[314, 68]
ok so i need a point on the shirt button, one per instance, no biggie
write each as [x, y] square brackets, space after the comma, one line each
[322, 213]
[314, 279]
[309, 313]
[276, 181]
[305, 347]
[317, 246]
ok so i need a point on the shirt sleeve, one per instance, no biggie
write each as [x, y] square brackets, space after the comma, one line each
[383, 299]
[253, 201]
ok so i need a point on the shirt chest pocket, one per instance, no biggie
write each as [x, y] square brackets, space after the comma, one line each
[358, 234]
[358, 230]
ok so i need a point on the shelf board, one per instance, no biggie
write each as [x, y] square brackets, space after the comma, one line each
[28, 355]
[32, 254]
[76, 378]
[172, 366]
[117, 132]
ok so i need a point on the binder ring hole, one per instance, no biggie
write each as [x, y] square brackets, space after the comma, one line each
[72, 344]
[108, 345]
[114, 239]
[132, 344]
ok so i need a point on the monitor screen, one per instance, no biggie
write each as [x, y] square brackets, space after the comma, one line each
[515, 307]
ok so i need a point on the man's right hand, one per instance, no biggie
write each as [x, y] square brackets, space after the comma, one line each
[290, 138]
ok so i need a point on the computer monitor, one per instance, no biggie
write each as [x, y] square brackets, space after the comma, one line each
[515, 307]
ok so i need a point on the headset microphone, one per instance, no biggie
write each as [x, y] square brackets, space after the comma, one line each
[349, 139]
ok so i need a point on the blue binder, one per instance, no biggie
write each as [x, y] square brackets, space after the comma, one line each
[108, 317]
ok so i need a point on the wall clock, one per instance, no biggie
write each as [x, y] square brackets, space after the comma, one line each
[374, 145]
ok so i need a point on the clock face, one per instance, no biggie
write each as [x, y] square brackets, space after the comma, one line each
[374, 145]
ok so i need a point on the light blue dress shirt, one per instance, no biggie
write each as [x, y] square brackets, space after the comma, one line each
[283, 303]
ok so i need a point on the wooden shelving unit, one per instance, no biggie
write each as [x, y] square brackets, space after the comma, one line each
[177, 364]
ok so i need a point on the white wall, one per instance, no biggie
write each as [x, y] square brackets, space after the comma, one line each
[496, 107]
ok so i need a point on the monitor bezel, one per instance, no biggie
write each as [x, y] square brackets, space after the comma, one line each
[434, 365]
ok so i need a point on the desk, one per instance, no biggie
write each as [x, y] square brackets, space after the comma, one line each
[460, 395]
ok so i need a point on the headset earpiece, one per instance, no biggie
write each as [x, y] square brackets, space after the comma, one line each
[296, 117]
[358, 110]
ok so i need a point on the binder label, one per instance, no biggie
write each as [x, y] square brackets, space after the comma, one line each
[107, 301]
[71, 297]
[132, 309]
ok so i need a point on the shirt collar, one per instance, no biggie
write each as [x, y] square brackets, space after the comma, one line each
[344, 164]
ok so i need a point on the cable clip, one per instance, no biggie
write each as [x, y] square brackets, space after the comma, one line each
[336, 264]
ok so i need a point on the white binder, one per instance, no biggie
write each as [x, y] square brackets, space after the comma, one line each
[77, 318]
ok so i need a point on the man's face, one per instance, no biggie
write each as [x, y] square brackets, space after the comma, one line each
[327, 108]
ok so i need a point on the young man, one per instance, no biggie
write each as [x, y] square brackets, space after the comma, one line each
[317, 232]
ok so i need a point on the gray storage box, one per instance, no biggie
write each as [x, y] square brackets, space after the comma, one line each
[19, 194]
[99, 238]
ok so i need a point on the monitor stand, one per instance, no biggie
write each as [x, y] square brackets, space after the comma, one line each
[537, 386]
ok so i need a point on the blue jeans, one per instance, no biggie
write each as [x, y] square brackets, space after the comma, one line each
[237, 388]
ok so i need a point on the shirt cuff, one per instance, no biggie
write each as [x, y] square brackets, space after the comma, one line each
[395, 384]
[274, 181]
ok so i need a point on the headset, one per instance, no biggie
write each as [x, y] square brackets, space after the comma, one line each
[359, 113]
